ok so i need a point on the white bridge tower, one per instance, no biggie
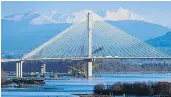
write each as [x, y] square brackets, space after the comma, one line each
[19, 69]
[89, 66]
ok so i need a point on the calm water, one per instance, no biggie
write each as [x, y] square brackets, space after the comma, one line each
[65, 88]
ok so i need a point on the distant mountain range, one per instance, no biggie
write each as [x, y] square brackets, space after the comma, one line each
[120, 14]
[22, 33]
[58, 17]
[30, 17]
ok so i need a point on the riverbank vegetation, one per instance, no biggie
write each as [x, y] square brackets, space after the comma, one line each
[136, 89]
[3, 76]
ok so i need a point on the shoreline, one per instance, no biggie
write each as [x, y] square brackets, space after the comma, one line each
[167, 72]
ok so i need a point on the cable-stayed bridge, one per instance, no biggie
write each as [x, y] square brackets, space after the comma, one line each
[73, 43]
[92, 40]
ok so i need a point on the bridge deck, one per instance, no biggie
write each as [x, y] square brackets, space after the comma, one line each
[82, 58]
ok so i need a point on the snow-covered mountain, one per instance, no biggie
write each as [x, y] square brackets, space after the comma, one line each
[58, 17]
[14, 17]
[76, 17]
[120, 14]
[82, 16]
[30, 17]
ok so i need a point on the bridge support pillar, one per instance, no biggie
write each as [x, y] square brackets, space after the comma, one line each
[43, 69]
[89, 70]
[19, 69]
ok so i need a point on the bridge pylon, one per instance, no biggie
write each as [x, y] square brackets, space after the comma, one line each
[89, 66]
[19, 69]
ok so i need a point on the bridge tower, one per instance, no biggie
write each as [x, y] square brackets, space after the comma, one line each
[19, 69]
[89, 66]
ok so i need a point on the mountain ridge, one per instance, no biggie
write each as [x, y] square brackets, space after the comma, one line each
[120, 14]
[78, 16]
[30, 17]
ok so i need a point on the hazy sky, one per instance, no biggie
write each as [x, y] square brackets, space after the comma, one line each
[158, 12]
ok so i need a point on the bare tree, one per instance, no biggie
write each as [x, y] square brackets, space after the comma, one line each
[3, 76]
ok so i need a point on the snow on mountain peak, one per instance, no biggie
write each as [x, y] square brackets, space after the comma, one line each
[82, 16]
[14, 17]
[123, 10]
[76, 17]
[58, 16]
[42, 20]
[30, 15]
[19, 17]
[120, 14]
[34, 17]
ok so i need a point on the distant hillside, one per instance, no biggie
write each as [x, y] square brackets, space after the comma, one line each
[139, 29]
[162, 42]
[19, 38]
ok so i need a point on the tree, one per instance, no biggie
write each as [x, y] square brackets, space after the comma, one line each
[3, 76]
[98, 89]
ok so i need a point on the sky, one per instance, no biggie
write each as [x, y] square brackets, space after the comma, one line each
[157, 12]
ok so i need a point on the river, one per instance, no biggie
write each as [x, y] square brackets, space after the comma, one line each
[66, 88]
